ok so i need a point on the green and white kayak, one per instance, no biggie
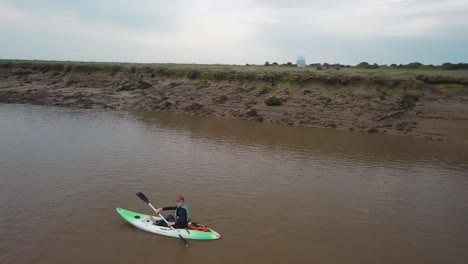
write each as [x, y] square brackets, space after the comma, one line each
[145, 222]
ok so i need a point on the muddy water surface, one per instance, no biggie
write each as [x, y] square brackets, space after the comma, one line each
[276, 194]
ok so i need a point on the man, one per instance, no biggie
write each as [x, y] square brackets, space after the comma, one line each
[182, 215]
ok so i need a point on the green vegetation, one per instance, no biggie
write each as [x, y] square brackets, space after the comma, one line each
[263, 91]
[445, 77]
[273, 101]
[408, 101]
[366, 65]
[220, 99]
[452, 88]
[252, 112]
[382, 94]
[130, 86]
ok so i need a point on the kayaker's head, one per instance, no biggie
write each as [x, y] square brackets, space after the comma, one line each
[180, 201]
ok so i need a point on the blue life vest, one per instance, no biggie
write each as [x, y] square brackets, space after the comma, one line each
[186, 209]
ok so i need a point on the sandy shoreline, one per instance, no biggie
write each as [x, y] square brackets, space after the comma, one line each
[362, 106]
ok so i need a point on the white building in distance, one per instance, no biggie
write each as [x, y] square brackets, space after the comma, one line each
[301, 61]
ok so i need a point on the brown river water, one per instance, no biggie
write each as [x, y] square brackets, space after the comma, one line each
[276, 194]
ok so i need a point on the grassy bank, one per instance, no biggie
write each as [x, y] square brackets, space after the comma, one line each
[450, 81]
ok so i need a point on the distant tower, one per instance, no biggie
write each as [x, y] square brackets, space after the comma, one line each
[301, 63]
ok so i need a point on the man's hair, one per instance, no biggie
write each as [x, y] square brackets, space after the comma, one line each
[181, 198]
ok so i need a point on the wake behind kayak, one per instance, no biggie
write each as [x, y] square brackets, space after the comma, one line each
[144, 222]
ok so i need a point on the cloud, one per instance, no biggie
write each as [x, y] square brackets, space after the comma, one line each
[203, 29]
[226, 31]
[374, 18]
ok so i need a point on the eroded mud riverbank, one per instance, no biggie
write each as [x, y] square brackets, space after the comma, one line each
[431, 108]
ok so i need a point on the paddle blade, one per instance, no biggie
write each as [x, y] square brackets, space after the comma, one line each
[185, 241]
[142, 197]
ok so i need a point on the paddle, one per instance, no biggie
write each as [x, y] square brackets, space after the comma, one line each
[145, 199]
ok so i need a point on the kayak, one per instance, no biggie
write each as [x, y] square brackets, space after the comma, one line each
[146, 223]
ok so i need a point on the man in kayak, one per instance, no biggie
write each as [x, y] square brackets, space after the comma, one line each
[182, 215]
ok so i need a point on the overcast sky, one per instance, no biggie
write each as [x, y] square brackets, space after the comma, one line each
[236, 32]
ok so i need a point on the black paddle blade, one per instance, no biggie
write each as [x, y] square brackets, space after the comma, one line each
[185, 241]
[142, 197]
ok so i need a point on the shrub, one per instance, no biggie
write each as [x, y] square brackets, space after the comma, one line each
[382, 94]
[115, 69]
[363, 65]
[45, 68]
[252, 112]
[57, 67]
[452, 66]
[84, 68]
[408, 101]
[220, 99]
[6, 65]
[140, 85]
[20, 72]
[273, 101]
[193, 74]
[219, 76]
[366, 65]
[263, 91]
[413, 65]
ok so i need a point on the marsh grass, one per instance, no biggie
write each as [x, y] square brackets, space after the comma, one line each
[452, 81]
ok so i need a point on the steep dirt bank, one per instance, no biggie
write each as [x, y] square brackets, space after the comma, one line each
[421, 108]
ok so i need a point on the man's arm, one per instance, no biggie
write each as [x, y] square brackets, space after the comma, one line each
[165, 209]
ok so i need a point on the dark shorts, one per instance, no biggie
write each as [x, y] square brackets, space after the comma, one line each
[169, 218]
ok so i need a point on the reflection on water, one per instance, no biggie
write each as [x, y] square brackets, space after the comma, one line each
[275, 193]
[344, 145]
